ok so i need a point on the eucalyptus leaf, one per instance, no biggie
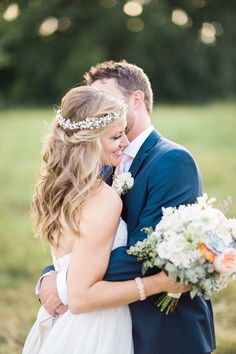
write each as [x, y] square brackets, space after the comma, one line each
[181, 275]
[170, 267]
[172, 277]
[144, 268]
[193, 293]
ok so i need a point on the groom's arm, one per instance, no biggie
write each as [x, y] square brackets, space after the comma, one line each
[174, 180]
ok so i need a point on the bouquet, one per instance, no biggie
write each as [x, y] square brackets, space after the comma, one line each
[195, 243]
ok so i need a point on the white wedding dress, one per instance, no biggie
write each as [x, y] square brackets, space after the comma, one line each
[101, 332]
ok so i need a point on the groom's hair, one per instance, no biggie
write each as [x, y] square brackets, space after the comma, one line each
[129, 78]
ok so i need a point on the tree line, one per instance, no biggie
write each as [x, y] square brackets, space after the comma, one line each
[187, 47]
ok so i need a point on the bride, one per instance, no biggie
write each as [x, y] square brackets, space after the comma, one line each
[79, 215]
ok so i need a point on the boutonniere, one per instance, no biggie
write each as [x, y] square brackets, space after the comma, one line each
[122, 183]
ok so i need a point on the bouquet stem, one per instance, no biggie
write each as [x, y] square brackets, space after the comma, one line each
[168, 302]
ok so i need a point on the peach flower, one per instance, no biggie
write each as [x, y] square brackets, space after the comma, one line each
[226, 262]
[207, 253]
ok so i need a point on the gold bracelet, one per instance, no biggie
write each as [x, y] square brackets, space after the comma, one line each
[141, 290]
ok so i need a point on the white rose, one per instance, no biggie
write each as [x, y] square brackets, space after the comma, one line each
[170, 221]
[122, 183]
[118, 185]
[177, 259]
[163, 250]
[177, 244]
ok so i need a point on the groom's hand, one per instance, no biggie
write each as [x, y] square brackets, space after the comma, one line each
[48, 295]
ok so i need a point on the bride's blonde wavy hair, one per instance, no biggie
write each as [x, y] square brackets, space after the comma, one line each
[71, 164]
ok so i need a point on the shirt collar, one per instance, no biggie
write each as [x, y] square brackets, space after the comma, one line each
[133, 148]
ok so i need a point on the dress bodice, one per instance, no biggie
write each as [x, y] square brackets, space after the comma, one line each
[120, 239]
[121, 235]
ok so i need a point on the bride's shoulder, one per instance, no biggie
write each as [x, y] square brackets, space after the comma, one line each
[104, 200]
[100, 214]
[105, 190]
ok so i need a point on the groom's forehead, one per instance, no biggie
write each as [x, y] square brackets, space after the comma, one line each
[109, 86]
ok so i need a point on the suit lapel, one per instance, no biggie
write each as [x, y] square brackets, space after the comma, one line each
[143, 152]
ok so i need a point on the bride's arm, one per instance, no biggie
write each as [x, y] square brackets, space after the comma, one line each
[90, 256]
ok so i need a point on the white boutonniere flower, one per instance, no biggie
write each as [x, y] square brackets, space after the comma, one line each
[122, 183]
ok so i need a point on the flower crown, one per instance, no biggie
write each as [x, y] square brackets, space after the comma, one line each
[90, 123]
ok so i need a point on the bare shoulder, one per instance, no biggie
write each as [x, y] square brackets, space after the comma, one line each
[103, 208]
[105, 198]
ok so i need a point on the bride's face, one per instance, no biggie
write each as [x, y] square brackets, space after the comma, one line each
[114, 141]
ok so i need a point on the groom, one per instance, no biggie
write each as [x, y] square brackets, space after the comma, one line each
[165, 174]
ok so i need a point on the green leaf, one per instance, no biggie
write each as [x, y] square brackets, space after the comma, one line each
[193, 293]
[170, 267]
[172, 277]
[181, 276]
[144, 268]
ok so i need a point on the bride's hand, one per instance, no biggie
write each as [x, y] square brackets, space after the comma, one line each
[168, 286]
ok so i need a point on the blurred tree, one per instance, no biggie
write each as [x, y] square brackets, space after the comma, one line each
[187, 47]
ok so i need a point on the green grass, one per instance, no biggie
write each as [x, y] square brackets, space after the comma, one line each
[207, 131]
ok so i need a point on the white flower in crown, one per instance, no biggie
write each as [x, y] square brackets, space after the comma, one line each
[90, 123]
[122, 183]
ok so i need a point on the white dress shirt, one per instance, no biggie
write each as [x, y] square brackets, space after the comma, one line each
[131, 150]
[133, 147]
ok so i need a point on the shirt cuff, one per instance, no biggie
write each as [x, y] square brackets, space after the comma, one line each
[62, 286]
[38, 285]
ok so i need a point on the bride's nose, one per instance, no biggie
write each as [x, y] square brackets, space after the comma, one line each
[124, 142]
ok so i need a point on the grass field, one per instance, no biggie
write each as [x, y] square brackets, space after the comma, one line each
[207, 131]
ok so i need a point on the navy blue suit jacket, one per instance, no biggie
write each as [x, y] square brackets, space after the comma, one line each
[165, 174]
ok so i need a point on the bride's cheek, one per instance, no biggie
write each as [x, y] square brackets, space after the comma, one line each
[118, 144]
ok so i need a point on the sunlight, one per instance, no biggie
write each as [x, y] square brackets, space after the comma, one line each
[219, 28]
[11, 13]
[208, 33]
[133, 8]
[48, 26]
[108, 3]
[135, 24]
[64, 24]
[180, 17]
[199, 3]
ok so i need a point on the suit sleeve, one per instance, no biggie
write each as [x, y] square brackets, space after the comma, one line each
[172, 180]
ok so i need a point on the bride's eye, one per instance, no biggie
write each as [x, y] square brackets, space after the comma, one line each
[116, 137]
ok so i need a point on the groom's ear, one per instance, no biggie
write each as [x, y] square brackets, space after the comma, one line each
[136, 99]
